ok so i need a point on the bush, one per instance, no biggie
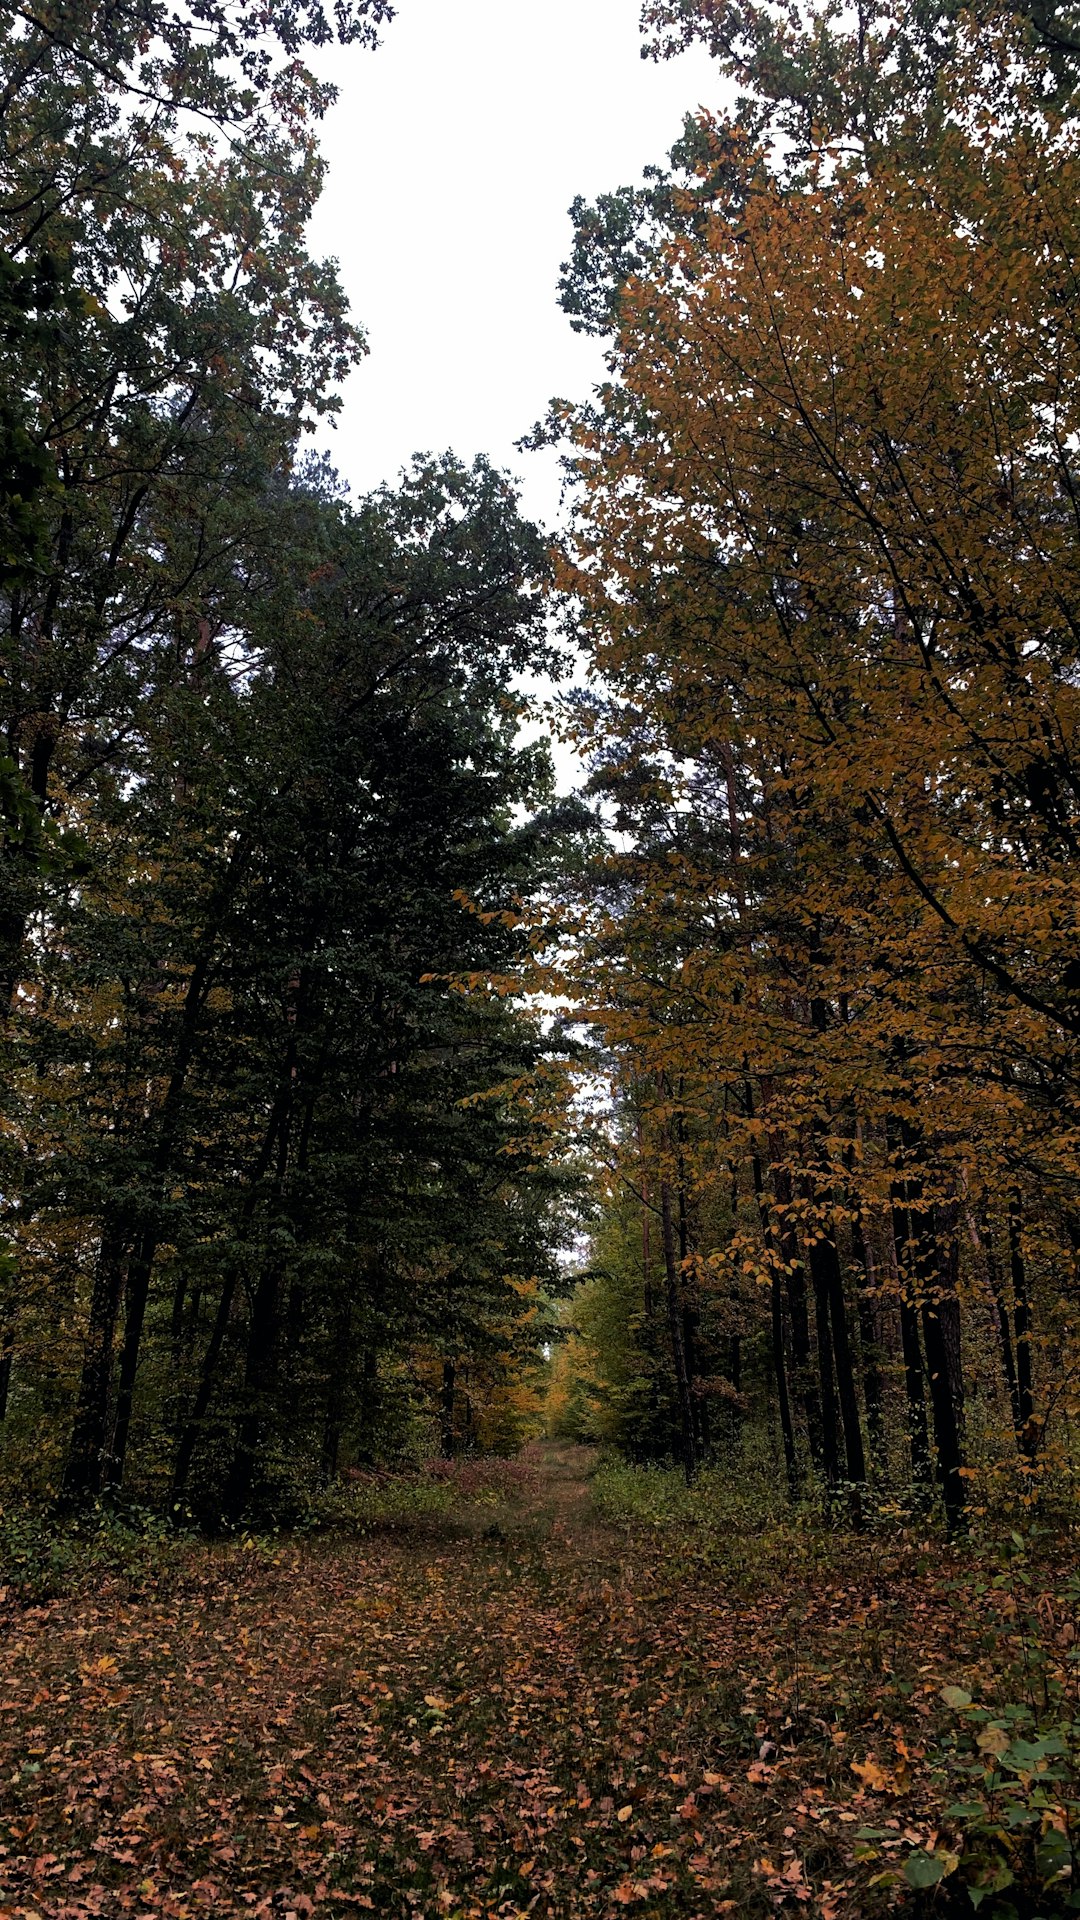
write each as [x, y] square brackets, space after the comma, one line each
[42, 1557]
[718, 1504]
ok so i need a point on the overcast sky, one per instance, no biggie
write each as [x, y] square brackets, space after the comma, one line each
[454, 153]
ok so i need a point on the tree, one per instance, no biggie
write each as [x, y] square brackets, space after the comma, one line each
[827, 551]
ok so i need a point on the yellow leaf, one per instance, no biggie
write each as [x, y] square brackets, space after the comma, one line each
[872, 1775]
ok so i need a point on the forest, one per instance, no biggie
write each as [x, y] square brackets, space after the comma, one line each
[539, 1344]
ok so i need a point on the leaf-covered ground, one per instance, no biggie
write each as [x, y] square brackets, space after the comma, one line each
[535, 1715]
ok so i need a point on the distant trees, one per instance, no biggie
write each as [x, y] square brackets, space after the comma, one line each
[826, 554]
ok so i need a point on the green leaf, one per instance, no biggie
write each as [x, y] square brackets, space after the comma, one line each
[1053, 1855]
[956, 1697]
[922, 1869]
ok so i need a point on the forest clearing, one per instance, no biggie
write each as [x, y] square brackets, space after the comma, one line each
[520, 1701]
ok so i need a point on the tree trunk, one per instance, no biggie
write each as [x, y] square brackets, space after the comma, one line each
[369, 1377]
[929, 1280]
[7, 1353]
[907, 1289]
[845, 1371]
[176, 1317]
[137, 1293]
[334, 1418]
[446, 1409]
[86, 1469]
[678, 1352]
[803, 1380]
[942, 1400]
[1025, 1394]
[258, 1372]
[984, 1244]
[192, 1428]
[918, 1431]
[830, 1449]
[779, 1359]
[260, 1356]
[873, 1397]
[169, 1132]
[787, 1429]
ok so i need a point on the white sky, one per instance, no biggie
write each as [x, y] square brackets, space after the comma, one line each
[454, 153]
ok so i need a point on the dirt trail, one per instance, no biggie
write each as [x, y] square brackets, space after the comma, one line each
[563, 1501]
[512, 1709]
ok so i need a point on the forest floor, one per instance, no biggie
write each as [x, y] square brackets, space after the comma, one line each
[508, 1706]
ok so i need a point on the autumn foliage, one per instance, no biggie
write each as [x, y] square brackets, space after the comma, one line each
[368, 1107]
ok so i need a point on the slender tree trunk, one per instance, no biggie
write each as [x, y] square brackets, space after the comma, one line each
[787, 1429]
[176, 1317]
[691, 1316]
[829, 1282]
[779, 1359]
[678, 1351]
[258, 1370]
[7, 1354]
[845, 1371]
[830, 1450]
[369, 1377]
[907, 1289]
[930, 1280]
[168, 1140]
[295, 1318]
[137, 1293]
[334, 1418]
[446, 1409]
[86, 1469]
[946, 1427]
[1025, 1393]
[192, 1428]
[803, 1380]
[918, 1431]
[873, 1397]
[261, 1341]
[984, 1244]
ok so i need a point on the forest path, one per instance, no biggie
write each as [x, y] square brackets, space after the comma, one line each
[560, 1499]
[463, 1717]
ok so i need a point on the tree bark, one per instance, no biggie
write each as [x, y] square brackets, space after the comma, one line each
[906, 1281]
[260, 1355]
[87, 1465]
[1028, 1432]
[678, 1351]
[929, 1279]
[192, 1428]
[918, 1431]
[446, 1409]
[779, 1359]
[983, 1241]
[873, 1397]
[830, 1449]
[803, 1380]
[7, 1354]
[943, 1403]
[845, 1371]
[169, 1132]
